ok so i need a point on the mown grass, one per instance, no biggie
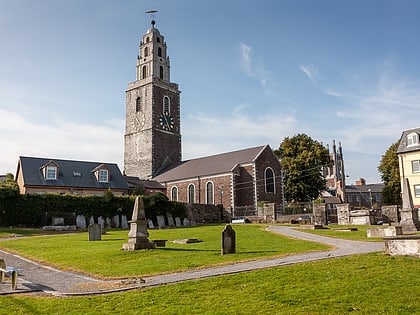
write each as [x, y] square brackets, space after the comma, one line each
[361, 284]
[106, 259]
[18, 232]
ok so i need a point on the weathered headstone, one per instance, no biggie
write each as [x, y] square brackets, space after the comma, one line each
[161, 221]
[94, 231]
[57, 221]
[81, 221]
[171, 222]
[228, 240]
[138, 235]
[124, 222]
[101, 222]
[91, 220]
[150, 224]
[186, 222]
[178, 222]
[319, 211]
[115, 222]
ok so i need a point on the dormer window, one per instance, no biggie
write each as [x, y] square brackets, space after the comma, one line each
[412, 139]
[102, 173]
[50, 170]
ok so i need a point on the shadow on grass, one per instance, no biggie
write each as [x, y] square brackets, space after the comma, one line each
[264, 252]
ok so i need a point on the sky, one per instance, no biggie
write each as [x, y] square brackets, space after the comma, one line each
[250, 73]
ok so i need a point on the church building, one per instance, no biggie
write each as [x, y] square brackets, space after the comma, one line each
[239, 179]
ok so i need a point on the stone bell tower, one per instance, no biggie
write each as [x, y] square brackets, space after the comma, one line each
[152, 128]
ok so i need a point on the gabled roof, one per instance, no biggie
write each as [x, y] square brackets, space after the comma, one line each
[209, 165]
[71, 173]
[403, 147]
[134, 181]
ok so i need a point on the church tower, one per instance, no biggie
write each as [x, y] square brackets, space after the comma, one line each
[152, 128]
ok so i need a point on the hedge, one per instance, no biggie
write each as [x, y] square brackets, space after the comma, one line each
[33, 210]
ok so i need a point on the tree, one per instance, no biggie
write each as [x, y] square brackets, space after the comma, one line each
[302, 160]
[9, 187]
[390, 174]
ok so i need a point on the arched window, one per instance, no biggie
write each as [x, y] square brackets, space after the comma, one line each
[158, 39]
[209, 193]
[174, 194]
[138, 104]
[161, 72]
[147, 39]
[144, 72]
[146, 51]
[269, 180]
[412, 139]
[191, 193]
[159, 52]
[166, 104]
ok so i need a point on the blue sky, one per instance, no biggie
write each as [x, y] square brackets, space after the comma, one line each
[250, 72]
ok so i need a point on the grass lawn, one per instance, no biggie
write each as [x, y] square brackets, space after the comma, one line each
[106, 259]
[360, 284]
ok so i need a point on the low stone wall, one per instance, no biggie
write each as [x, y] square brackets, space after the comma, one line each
[295, 219]
[207, 213]
[403, 245]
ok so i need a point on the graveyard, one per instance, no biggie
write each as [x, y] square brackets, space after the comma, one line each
[367, 283]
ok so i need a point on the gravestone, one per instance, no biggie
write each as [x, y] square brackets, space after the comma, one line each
[81, 221]
[91, 220]
[171, 222]
[101, 222]
[319, 211]
[115, 222]
[161, 221]
[193, 223]
[150, 224]
[94, 231]
[186, 222]
[228, 240]
[57, 221]
[178, 222]
[138, 235]
[124, 222]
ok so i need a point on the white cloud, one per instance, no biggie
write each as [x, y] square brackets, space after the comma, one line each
[58, 139]
[332, 92]
[310, 71]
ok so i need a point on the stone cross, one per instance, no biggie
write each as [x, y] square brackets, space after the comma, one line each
[228, 240]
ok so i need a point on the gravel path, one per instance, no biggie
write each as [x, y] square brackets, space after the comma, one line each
[36, 277]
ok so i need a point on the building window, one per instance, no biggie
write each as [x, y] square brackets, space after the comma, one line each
[138, 104]
[191, 193]
[269, 180]
[358, 198]
[415, 165]
[166, 104]
[209, 193]
[161, 72]
[103, 176]
[174, 194]
[349, 199]
[146, 51]
[412, 139]
[159, 52]
[158, 39]
[144, 72]
[417, 190]
[147, 39]
[51, 172]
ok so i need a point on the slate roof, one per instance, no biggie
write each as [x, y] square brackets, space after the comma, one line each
[134, 181]
[209, 165]
[402, 146]
[374, 188]
[69, 170]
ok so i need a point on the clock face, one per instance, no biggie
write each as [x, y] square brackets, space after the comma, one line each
[166, 121]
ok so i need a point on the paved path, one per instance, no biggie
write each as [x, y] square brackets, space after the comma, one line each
[39, 278]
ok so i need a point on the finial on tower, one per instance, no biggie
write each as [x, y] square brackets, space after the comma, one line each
[152, 14]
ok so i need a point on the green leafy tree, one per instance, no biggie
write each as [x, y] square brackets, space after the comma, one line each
[390, 174]
[9, 187]
[302, 160]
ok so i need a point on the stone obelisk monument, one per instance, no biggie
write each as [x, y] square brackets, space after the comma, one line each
[137, 237]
